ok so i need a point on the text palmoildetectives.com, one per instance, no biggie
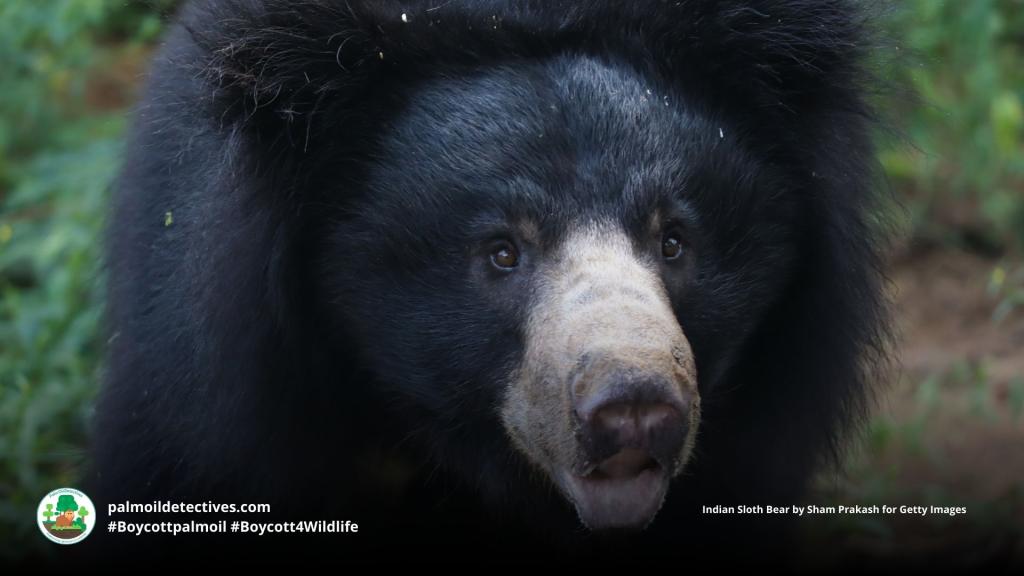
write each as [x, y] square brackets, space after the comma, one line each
[207, 526]
[166, 507]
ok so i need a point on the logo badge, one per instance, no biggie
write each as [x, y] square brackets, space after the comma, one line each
[66, 516]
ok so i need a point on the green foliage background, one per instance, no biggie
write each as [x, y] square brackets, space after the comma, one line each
[60, 142]
[964, 182]
[62, 117]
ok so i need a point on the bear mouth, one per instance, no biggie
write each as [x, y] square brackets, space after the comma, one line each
[623, 492]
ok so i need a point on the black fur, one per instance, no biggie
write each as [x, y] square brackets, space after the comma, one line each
[295, 316]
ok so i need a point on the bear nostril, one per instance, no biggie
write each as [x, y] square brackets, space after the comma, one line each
[624, 434]
[618, 420]
[631, 424]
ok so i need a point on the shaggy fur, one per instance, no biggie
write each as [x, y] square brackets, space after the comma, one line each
[294, 314]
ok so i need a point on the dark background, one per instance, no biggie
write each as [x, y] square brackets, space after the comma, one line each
[948, 430]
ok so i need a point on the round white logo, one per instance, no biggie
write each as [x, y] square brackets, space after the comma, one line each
[66, 516]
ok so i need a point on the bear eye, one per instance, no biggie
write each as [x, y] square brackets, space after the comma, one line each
[504, 256]
[671, 246]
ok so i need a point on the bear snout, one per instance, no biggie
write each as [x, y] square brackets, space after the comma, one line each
[627, 427]
[605, 399]
[633, 433]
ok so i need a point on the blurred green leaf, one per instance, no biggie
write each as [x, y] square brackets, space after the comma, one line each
[60, 143]
[965, 63]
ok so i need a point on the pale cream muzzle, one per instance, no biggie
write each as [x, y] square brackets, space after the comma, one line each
[605, 400]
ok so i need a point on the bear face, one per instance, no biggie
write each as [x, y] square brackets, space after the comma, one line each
[532, 244]
[613, 262]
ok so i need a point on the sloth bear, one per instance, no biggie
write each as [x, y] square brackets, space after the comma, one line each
[461, 270]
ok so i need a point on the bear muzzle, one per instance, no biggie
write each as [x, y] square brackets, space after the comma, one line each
[606, 399]
[633, 434]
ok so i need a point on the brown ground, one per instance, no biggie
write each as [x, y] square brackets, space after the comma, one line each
[945, 314]
[945, 432]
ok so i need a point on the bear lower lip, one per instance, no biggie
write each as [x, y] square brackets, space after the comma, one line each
[606, 501]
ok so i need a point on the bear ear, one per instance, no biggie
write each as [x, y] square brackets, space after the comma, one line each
[272, 65]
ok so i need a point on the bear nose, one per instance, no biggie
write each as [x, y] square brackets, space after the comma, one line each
[627, 428]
